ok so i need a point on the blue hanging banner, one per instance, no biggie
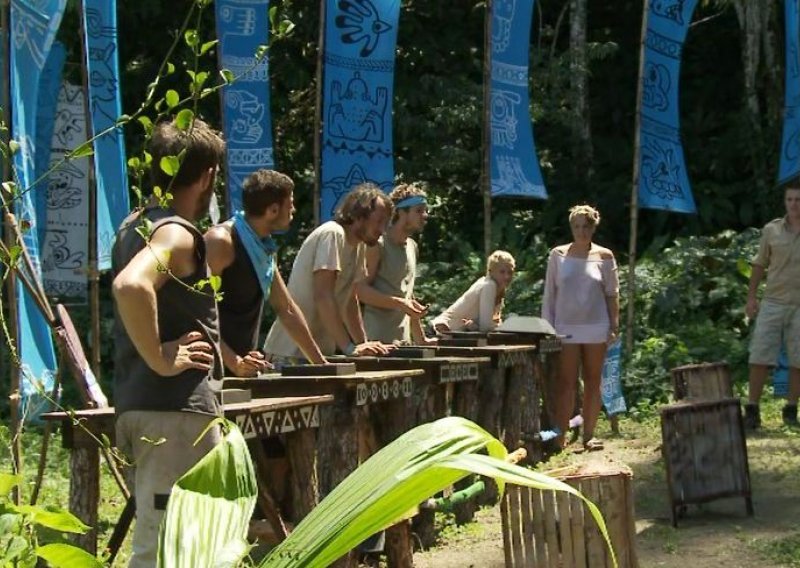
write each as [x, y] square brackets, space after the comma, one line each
[105, 106]
[790, 146]
[34, 27]
[49, 87]
[243, 26]
[611, 380]
[360, 41]
[663, 181]
[512, 154]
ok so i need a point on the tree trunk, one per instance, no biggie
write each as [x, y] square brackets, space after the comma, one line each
[579, 88]
[752, 18]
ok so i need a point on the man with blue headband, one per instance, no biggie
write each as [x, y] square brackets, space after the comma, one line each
[390, 311]
[241, 251]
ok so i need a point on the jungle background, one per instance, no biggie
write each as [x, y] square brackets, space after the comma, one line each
[692, 269]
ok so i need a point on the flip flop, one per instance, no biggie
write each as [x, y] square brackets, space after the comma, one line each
[593, 445]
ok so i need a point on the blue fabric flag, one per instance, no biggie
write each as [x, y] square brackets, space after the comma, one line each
[242, 26]
[611, 381]
[360, 40]
[514, 166]
[790, 147]
[49, 87]
[110, 167]
[34, 28]
[663, 181]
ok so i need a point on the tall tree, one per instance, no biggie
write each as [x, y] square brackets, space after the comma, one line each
[579, 93]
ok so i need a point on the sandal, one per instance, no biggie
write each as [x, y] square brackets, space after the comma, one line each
[593, 445]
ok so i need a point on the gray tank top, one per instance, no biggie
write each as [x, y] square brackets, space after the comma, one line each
[136, 385]
[397, 271]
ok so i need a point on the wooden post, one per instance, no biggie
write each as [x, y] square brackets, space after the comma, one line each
[318, 116]
[84, 492]
[629, 339]
[302, 459]
[11, 287]
[337, 449]
[486, 178]
[92, 272]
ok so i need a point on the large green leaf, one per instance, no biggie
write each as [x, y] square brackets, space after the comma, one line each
[209, 509]
[54, 518]
[388, 487]
[67, 556]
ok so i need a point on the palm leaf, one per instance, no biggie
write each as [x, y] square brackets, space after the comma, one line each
[388, 487]
[209, 509]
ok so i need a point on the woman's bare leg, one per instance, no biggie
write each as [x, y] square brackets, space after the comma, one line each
[564, 391]
[594, 355]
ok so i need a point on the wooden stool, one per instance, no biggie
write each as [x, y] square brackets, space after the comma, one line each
[706, 381]
[552, 528]
[705, 453]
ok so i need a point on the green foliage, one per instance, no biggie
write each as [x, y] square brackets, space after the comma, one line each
[690, 301]
[20, 527]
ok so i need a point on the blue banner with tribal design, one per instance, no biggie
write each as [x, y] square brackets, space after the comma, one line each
[360, 39]
[790, 147]
[663, 180]
[49, 87]
[512, 154]
[243, 26]
[105, 106]
[34, 26]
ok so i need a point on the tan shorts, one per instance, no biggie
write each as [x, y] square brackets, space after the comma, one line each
[775, 323]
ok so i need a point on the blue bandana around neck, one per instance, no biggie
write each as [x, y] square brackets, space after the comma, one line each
[261, 251]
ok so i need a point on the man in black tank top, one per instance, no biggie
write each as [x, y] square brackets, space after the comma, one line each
[167, 362]
[242, 253]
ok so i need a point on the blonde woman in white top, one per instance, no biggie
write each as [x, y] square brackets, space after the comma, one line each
[480, 307]
[581, 301]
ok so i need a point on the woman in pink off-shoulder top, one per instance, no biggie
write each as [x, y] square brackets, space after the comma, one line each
[581, 301]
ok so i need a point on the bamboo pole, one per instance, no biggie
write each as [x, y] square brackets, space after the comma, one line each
[11, 288]
[318, 115]
[93, 274]
[486, 178]
[629, 339]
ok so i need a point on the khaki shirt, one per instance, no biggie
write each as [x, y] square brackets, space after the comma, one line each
[779, 254]
[324, 249]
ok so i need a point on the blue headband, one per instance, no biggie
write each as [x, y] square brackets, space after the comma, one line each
[410, 202]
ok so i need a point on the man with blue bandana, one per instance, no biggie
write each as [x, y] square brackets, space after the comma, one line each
[387, 294]
[241, 251]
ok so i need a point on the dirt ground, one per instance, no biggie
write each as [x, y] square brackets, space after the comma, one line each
[717, 534]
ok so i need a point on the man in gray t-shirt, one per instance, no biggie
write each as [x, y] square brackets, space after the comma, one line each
[387, 293]
[327, 267]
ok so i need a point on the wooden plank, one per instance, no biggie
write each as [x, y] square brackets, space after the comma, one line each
[527, 527]
[595, 544]
[551, 521]
[579, 517]
[265, 499]
[516, 526]
[563, 501]
[506, 526]
[399, 549]
[326, 370]
[538, 514]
